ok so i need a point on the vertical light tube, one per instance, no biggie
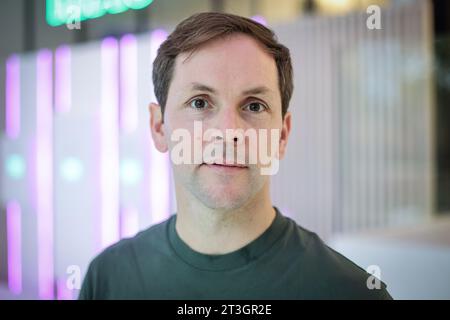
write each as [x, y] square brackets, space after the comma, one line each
[14, 243]
[159, 163]
[44, 173]
[12, 110]
[157, 37]
[109, 143]
[128, 84]
[129, 224]
[63, 79]
[62, 292]
[260, 20]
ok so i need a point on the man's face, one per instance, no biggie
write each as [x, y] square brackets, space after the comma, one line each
[229, 83]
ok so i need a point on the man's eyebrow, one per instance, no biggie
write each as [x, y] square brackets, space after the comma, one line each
[256, 90]
[201, 87]
[252, 91]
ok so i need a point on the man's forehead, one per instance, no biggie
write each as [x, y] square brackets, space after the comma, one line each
[240, 59]
[237, 44]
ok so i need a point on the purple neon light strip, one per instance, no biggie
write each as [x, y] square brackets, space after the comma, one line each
[159, 163]
[14, 240]
[12, 111]
[260, 19]
[63, 79]
[109, 144]
[159, 186]
[128, 84]
[157, 37]
[129, 224]
[63, 293]
[44, 173]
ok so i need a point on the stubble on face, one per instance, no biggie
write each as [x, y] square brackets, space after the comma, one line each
[229, 65]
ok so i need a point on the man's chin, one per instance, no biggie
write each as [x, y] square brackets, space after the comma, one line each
[224, 206]
[218, 190]
[224, 198]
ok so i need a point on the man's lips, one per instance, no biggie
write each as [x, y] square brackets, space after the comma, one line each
[225, 166]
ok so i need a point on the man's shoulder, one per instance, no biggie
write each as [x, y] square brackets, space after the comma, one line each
[152, 236]
[334, 273]
[116, 269]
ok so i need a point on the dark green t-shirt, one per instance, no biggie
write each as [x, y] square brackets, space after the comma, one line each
[285, 262]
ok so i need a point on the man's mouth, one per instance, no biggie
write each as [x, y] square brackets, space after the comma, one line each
[225, 167]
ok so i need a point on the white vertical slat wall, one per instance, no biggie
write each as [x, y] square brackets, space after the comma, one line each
[360, 153]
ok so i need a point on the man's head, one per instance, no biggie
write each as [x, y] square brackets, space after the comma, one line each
[226, 72]
[201, 28]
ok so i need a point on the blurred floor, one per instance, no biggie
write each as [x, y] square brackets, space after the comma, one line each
[414, 261]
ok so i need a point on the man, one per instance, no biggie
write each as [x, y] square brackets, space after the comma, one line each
[227, 240]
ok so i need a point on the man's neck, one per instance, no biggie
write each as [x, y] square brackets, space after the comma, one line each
[212, 231]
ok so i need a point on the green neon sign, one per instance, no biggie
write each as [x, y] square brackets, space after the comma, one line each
[59, 12]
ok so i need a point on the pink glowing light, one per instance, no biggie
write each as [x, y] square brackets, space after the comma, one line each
[159, 163]
[63, 79]
[44, 173]
[260, 19]
[128, 84]
[129, 224]
[14, 240]
[109, 143]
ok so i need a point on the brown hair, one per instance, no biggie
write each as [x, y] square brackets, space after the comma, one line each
[200, 28]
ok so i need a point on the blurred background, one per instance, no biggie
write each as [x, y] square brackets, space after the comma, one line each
[368, 163]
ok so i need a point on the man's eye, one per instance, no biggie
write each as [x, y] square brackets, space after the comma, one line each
[255, 107]
[199, 103]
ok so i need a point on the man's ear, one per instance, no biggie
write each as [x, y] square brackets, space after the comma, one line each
[285, 131]
[157, 127]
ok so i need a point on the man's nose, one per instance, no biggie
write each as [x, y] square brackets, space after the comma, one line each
[229, 120]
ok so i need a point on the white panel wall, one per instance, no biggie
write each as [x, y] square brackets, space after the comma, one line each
[360, 155]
